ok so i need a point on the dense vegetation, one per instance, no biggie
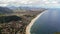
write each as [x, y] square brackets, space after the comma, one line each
[14, 24]
[4, 19]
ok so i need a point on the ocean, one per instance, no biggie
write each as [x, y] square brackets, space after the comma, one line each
[47, 23]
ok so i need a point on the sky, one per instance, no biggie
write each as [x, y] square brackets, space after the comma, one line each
[39, 3]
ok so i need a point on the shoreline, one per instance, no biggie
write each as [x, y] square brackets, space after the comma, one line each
[28, 28]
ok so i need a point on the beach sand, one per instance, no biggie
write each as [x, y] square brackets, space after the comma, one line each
[28, 28]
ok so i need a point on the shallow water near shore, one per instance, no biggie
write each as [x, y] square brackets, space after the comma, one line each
[47, 23]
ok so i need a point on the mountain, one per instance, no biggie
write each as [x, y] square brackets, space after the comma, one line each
[5, 10]
[25, 8]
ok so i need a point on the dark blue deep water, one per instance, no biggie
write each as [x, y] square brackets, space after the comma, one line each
[47, 23]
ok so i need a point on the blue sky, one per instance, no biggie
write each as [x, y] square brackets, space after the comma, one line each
[39, 3]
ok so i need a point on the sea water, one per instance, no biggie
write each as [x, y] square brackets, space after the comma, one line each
[47, 23]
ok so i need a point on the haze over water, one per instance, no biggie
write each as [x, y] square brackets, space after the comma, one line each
[47, 23]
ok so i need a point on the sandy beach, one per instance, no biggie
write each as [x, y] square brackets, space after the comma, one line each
[32, 22]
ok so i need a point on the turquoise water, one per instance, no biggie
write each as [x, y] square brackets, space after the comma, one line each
[47, 23]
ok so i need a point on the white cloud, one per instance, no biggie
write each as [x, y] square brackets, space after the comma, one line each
[30, 2]
[3, 4]
[56, 2]
[50, 2]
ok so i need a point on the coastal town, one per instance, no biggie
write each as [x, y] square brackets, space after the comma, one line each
[17, 22]
[29, 16]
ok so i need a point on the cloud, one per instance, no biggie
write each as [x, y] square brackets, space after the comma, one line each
[49, 2]
[3, 5]
[30, 2]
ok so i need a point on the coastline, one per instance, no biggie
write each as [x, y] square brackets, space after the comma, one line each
[28, 28]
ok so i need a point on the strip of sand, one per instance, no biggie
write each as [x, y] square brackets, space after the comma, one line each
[28, 28]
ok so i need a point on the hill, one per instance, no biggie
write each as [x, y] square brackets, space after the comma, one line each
[5, 10]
